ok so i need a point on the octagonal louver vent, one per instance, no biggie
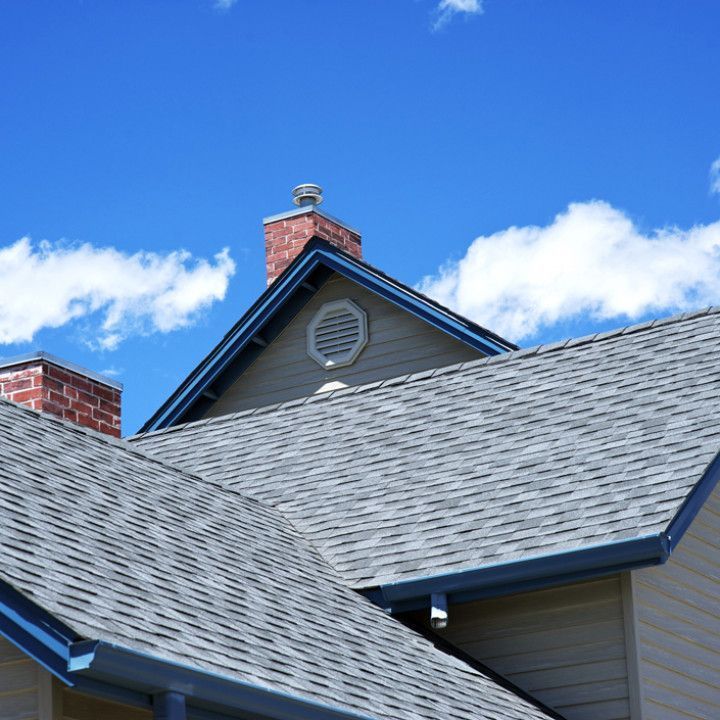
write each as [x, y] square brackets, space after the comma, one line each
[337, 334]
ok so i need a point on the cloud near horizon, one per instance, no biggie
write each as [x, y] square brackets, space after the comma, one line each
[49, 285]
[447, 9]
[590, 261]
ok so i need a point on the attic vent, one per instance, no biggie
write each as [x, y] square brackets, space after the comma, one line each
[337, 334]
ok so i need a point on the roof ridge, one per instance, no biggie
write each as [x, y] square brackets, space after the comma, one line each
[510, 356]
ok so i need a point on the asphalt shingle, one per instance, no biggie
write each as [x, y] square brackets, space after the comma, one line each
[124, 548]
[537, 451]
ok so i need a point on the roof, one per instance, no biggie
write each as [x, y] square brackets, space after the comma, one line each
[529, 455]
[274, 309]
[120, 547]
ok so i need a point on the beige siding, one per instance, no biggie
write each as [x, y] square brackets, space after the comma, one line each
[29, 692]
[678, 612]
[398, 344]
[18, 684]
[566, 646]
[81, 707]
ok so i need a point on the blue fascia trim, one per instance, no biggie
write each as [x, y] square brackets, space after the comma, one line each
[114, 665]
[534, 573]
[36, 632]
[693, 502]
[399, 297]
[282, 289]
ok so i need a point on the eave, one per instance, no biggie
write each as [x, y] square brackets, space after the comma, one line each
[522, 575]
[122, 675]
[208, 695]
[552, 569]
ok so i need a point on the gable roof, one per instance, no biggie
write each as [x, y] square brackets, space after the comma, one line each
[558, 459]
[134, 569]
[274, 309]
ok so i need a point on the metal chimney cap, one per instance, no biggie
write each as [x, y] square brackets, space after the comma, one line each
[307, 194]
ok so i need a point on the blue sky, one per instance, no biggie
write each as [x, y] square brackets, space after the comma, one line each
[171, 128]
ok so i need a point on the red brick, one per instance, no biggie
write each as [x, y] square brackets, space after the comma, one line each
[19, 384]
[81, 407]
[87, 421]
[102, 416]
[109, 430]
[88, 397]
[57, 391]
[26, 396]
[292, 234]
[57, 398]
[101, 391]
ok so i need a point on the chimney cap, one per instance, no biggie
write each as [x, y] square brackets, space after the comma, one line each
[42, 356]
[307, 194]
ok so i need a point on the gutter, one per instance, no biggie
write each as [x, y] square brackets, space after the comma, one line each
[208, 695]
[523, 575]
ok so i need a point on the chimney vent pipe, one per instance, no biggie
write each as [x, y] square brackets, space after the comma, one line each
[307, 194]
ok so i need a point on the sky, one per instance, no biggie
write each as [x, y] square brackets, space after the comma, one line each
[549, 169]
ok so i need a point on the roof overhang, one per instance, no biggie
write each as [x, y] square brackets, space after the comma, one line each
[115, 673]
[553, 569]
[208, 695]
[523, 575]
[280, 303]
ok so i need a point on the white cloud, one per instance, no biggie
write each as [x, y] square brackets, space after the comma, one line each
[447, 9]
[592, 260]
[224, 4]
[715, 177]
[46, 285]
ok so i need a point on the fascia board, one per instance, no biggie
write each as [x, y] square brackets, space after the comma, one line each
[533, 573]
[108, 663]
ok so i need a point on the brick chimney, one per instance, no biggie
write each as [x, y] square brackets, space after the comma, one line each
[287, 234]
[44, 382]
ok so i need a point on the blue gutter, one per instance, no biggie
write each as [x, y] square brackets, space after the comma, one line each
[553, 569]
[35, 632]
[122, 675]
[207, 692]
[317, 253]
[523, 575]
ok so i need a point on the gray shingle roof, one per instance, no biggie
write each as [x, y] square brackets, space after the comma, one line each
[532, 452]
[126, 549]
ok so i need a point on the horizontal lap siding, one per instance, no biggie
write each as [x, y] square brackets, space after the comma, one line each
[678, 609]
[81, 707]
[566, 646]
[398, 344]
[18, 684]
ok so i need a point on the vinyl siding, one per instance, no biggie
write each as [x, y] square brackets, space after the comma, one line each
[398, 343]
[18, 684]
[81, 707]
[566, 645]
[678, 615]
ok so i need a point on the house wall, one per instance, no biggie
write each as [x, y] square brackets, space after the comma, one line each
[81, 707]
[29, 692]
[677, 607]
[19, 676]
[398, 344]
[565, 645]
